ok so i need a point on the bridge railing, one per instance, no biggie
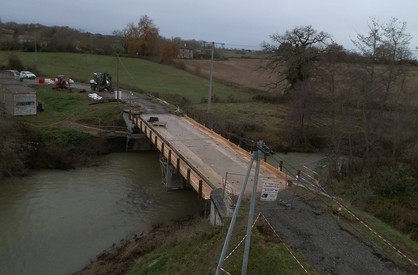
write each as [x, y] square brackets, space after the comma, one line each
[193, 176]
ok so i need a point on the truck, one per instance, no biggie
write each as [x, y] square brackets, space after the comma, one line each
[101, 82]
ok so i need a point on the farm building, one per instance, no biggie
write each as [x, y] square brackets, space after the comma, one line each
[185, 52]
[18, 99]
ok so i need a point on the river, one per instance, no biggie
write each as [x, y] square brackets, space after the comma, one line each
[55, 222]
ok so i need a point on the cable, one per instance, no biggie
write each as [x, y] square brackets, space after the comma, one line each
[129, 73]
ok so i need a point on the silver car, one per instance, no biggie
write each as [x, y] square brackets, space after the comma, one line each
[27, 75]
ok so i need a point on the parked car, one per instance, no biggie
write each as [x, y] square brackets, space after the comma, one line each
[14, 73]
[27, 75]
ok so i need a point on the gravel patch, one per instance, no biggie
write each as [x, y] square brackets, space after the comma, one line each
[323, 243]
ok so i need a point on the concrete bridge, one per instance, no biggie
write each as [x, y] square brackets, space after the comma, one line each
[195, 156]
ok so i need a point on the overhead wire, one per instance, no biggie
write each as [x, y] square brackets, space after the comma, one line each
[123, 65]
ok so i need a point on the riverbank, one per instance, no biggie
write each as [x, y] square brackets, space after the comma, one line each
[121, 257]
[322, 243]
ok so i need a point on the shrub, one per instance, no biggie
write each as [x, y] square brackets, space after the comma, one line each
[14, 62]
[169, 51]
[181, 65]
[269, 98]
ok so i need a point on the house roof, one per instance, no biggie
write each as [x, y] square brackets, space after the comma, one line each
[20, 90]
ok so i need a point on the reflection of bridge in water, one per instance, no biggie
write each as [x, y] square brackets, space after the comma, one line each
[194, 156]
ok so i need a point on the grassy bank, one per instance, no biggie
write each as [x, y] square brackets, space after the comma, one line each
[192, 246]
[53, 138]
[61, 106]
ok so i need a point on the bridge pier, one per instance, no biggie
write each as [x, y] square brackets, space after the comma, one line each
[172, 180]
[138, 142]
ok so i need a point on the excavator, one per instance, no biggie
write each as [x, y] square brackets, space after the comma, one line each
[101, 81]
[61, 82]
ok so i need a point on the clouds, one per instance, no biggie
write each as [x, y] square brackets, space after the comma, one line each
[244, 22]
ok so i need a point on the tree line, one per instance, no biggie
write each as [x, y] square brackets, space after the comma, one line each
[136, 39]
[358, 108]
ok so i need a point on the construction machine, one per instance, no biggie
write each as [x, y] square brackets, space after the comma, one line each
[61, 82]
[101, 81]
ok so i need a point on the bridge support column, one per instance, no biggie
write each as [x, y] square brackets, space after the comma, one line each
[171, 179]
[214, 218]
[138, 142]
[219, 207]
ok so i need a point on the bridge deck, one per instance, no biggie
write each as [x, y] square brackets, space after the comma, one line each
[207, 152]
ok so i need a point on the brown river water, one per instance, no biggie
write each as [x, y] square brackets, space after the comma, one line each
[55, 222]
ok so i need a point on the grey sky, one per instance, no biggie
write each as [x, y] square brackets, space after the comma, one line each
[237, 23]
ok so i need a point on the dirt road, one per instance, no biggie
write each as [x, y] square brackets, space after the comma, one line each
[146, 106]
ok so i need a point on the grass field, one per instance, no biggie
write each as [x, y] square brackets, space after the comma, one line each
[137, 73]
[60, 107]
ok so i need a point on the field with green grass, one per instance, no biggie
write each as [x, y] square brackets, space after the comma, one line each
[133, 72]
[60, 106]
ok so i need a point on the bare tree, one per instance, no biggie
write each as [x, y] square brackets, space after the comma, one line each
[290, 55]
[380, 89]
[142, 38]
[122, 35]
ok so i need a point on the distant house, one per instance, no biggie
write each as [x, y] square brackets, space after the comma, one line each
[185, 52]
[23, 38]
[29, 38]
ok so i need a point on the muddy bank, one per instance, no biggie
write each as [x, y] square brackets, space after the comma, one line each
[120, 257]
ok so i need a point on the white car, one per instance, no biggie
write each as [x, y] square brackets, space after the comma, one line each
[27, 75]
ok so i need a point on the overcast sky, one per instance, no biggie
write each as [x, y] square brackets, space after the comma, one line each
[237, 23]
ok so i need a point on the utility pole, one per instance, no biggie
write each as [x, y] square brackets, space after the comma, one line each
[256, 155]
[36, 53]
[210, 79]
[211, 73]
[251, 213]
[85, 67]
[117, 80]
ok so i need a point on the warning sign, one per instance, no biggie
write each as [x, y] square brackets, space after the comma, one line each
[270, 190]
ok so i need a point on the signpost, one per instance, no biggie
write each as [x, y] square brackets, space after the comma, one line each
[270, 190]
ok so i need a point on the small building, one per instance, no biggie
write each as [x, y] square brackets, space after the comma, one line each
[6, 79]
[18, 99]
[21, 101]
[185, 52]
